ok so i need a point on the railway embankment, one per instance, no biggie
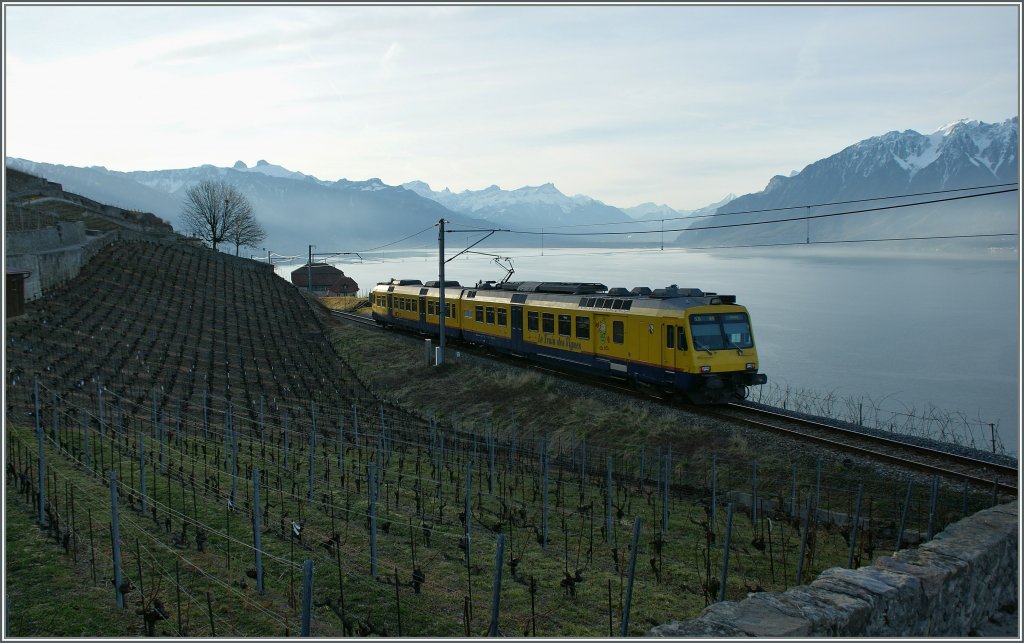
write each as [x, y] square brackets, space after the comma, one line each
[953, 585]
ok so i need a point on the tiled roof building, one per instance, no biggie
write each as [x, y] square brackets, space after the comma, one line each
[327, 280]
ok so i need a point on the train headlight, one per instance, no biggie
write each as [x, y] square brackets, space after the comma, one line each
[751, 366]
[705, 369]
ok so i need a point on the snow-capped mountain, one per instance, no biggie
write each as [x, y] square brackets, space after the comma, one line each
[964, 154]
[527, 207]
[269, 169]
[651, 210]
[655, 212]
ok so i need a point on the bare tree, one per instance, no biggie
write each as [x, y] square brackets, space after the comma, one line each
[212, 209]
[245, 230]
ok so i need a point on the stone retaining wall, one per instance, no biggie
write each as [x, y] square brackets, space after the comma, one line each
[949, 586]
[54, 256]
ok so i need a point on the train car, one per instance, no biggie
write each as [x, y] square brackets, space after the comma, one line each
[679, 339]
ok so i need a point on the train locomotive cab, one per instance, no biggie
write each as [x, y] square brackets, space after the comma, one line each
[701, 344]
[724, 359]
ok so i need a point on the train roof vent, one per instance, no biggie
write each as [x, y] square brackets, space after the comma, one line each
[406, 282]
[619, 292]
[676, 291]
[561, 287]
[447, 284]
[723, 299]
[641, 291]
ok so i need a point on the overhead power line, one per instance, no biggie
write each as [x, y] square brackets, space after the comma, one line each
[546, 231]
[835, 241]
[415, 234]
[783, 208]
[771, 221]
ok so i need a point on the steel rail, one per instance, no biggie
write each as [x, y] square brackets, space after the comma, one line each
[903, 453]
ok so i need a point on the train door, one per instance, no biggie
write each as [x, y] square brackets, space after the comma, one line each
[667, 340]
[603, 330]
[610, 342]
[517, 328]
[390, 310]
[423, 311]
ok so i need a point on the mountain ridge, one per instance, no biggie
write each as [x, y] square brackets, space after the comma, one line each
[348, 215]
[964, 154]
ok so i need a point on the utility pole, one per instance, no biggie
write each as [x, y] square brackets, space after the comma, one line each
[309, 270]
[441, 314]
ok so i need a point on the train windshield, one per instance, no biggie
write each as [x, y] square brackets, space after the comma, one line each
[720, 331]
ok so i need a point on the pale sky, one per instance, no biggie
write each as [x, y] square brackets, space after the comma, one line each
[673, 104]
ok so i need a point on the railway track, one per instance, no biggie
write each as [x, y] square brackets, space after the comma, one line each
[946, 463]
[355, 318]
[894, 450]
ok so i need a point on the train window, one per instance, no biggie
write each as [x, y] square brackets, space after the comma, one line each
[582, 328]
[627, 304]
[592, 302]
[670, 337]
[617, 304]
[607, 303]
[430, 307]
[565, 325]
[490, 314]
[707, 332]
[719, 331]
[480, 314]
[531, 320]
[737, 330]
[415, 306]
[548, 322]
[618, 332]
[451, 309]
[681, 344]
[502, 317]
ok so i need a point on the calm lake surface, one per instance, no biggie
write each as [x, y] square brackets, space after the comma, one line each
[910, 334]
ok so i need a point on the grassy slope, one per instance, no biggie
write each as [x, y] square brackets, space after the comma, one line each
[38, 570]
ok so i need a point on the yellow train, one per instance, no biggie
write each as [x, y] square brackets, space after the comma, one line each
[680, 339]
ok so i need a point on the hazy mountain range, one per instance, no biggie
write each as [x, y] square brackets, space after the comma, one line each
[348, 216]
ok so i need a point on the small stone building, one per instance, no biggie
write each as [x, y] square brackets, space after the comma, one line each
[327, 281]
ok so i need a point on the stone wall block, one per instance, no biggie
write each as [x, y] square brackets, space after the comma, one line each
[949, 586]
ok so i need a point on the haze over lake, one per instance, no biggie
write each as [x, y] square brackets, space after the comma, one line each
[908, 333]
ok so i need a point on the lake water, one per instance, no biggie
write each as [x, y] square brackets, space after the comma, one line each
[884, 336]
